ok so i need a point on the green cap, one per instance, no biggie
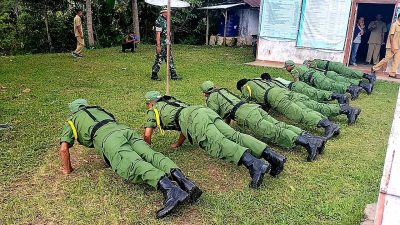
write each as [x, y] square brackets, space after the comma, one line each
[76, 104]
[152, 95]
[289, 63]
[207, 86]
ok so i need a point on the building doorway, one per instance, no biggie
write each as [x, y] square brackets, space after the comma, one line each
[369, 11]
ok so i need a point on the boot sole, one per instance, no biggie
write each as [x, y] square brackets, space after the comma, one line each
[194, 194]
[355, 117]
[335, 133]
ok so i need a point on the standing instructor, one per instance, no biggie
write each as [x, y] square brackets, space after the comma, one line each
[160, 28]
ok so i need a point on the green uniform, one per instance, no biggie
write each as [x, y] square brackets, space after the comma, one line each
[251, 116]
[281, 100]
[336, 77]
[161, 26]
[337, 67]
[202, 126]
[122, 148]
[303, 88]
[319, 80]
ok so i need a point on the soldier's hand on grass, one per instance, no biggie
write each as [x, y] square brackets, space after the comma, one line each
[158, 49]
[175, 145]
[65, 171]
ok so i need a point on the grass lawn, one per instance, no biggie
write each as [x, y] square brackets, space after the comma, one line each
[35, 90]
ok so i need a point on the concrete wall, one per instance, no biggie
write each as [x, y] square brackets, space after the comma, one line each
[281, 50]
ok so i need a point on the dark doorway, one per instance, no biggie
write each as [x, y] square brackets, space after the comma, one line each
[369, 12]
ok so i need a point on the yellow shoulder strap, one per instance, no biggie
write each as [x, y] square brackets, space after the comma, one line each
[158, 121]
[71, 124]
[249, 90]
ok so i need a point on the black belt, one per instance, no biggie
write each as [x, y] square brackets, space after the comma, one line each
[290, 85]
[327, 65]
[266, 104]
[176, 117]
[309, 78]
[98, 125]
[234, 109]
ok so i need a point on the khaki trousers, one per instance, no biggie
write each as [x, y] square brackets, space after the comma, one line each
[389, 55]
[80, 43]
[373, 53]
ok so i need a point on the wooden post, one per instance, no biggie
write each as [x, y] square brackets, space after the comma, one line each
[207, 28]
[226, 18]
[167, 91]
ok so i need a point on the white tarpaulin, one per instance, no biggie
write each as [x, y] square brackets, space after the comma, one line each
[174, 3]
[323, 24]
[280, 18]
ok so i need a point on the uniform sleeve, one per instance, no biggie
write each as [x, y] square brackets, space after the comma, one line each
[212, 103]
[158, 26]
[392, 29]
[295, 73]
[67, 135]
[150, 119]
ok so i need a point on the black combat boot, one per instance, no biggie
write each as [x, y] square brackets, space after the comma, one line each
[331, 129]
[276, 160]
[319, 141]
[187, 185]
[256, 167]
[368, 87]
[313, 145]
[354, 91]
[175, 76]
[154, 76]
[341, 98]
[173, 196]
[352, 113]
[370, 77]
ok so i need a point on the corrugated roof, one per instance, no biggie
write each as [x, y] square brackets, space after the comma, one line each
[253, 3]
[226, 6]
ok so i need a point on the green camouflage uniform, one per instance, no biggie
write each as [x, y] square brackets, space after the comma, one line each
[122, 148]
[318, 79]
[251, 116]
[161, 26]
[337, 67]
[202, 126]
[281, 100]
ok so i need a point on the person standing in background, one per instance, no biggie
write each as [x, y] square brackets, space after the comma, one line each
[78, 30]
[358, 32]
[376, 39]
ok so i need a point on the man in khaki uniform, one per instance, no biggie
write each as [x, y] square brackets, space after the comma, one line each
[376, 38]
[392, 49]
[80, 42]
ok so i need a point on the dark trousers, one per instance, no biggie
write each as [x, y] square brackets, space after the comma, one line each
[130, 46]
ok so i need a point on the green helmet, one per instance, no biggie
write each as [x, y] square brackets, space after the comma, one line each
[152, 95]
[207, 86]
[289, 63]
[77, 104]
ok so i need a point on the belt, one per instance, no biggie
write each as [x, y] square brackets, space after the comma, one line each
[98, 125]
[176, 117]
[266, 104]
[327, 65]
[290, 85]
[234, 109]
[309, 78]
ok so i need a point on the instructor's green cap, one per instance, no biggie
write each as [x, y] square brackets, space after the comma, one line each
[289, 63]
[152, 95]
[207, 86]
[76, 104]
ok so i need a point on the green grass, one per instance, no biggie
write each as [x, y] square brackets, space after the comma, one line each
[332, 190]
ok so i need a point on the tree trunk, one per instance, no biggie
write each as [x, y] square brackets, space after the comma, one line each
[46, 22]
[135, 18]
[89, 22]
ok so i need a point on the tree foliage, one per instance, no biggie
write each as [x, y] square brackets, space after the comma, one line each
[23, 28]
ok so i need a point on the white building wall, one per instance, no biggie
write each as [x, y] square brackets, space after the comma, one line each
[282, 50]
